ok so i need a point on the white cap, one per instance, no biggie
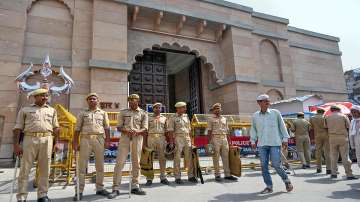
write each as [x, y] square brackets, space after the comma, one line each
[262, 97]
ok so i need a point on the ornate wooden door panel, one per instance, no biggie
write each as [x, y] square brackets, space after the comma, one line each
[195, 88]
[148, 78]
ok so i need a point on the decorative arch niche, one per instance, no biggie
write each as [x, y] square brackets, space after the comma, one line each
[49, 29]
[275, 95]
[270, 61]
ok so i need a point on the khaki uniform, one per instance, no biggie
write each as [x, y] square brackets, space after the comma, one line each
[338, 125]
[321, 140]
[157, 141]
[37, 123]
[301, 128]
[220, 130]
[180, 125]
[136, 120]
[92, 125]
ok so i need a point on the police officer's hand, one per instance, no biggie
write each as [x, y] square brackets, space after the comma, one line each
[131, 133]
[107, 143]
[253, 147]
[75, 144]
[57, 146]
[18, 150]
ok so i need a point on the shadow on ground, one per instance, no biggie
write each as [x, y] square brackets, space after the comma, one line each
[244, 197]
[348, 194]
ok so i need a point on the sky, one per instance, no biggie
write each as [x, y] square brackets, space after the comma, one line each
[340, 18]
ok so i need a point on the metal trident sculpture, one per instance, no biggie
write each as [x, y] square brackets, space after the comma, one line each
[45, 72]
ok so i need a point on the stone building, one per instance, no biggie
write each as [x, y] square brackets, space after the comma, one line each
[198, 51]
[352, 79]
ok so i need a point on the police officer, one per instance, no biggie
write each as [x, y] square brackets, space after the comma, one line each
[179, 132]
[92, 124]
[321, 140]
[301, 128]
[38, 122]
[133, 124]
[156, 140]
[338, 125]
[218, 132]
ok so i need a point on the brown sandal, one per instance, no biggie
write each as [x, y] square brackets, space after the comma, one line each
[289, 186]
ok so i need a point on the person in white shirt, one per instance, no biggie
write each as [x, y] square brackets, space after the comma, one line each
[354, 132]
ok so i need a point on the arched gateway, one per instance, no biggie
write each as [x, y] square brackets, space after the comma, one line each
[168, 74]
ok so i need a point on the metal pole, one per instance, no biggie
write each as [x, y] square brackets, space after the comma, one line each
[77, 176]
[14, 178]
[130, 170]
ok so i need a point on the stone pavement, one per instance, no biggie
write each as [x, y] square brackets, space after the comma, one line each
[308, 187]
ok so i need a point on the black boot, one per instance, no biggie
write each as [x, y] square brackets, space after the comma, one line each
[114, 194]
[178, 181]
[80, 197]
[232, 178]
[44, 199]
[102, 193]
[148, 183]
[165, 181]
[193, 180]
[138, 191]
[218, 179]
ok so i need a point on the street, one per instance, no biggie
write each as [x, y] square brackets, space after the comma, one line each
[308, 186]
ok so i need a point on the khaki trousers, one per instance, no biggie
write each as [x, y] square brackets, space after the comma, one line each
[182, 143]
[221, 147]
[123, 151]
[339, 144]
[303, 149]
[35, 148]
[157, 143]
[88, 144]
[322, 145]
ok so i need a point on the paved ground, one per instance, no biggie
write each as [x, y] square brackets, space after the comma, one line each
[308, 187]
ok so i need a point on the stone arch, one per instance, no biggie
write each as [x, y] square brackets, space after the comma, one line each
[270, 61]
[48, 32]
[68, 3]
[214, 77]
[275, 95]
[208, 52]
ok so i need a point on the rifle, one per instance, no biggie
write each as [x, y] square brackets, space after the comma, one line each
[196, 165]
[14, 179]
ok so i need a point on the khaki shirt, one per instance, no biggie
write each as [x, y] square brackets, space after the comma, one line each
[136, 120]
[37, 119]
[157, 125]
[301, 127]
[318, 124]
[218, 125]
[92, 122]
[180, 124]
[337, 123]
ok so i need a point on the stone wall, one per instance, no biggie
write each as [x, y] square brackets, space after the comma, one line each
[12, 29]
